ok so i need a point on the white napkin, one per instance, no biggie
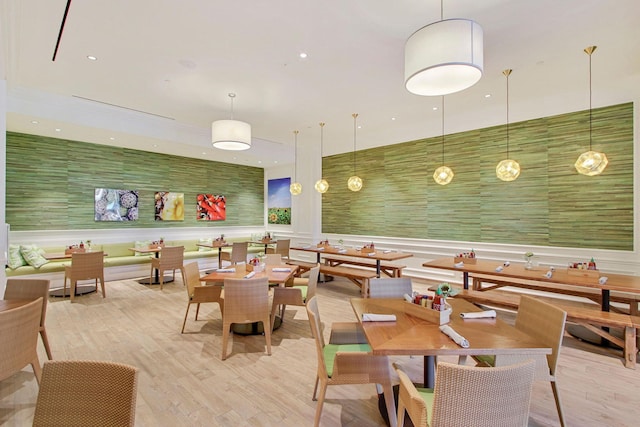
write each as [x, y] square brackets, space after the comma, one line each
[250, 275]
[603, 280]
[386, 251]
[321, 248]
[499, 269]
[281, 269]
[342, 251]
[306, 247]
[226, 270]
[372, 254]
[478, 314]
[548, 274]
[459, 339]
[459, 264]
[371, 317]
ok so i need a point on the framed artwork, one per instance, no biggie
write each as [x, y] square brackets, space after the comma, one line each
[115, 205]
[279, 201]
[169, 206]
[210, 207]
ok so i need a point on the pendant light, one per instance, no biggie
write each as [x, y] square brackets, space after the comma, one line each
[231, 134]
[443, 175]
[295, 188]
[508, 169]
[591, 162]
[443, 57]
[321, 185]
[355, 182]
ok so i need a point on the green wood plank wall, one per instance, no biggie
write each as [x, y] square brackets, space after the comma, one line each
[550, 204]
[51, 182]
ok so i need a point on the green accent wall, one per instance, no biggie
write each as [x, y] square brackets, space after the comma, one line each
[50, 185]
[550, 204]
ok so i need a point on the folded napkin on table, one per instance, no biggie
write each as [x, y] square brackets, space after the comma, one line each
[386, 251]
[459, 264]
[281, 269]
[306, 247]
[372, 254]
[372, 317]
[459, 339]
[226, 270]
[320, 248]
[342, 251]
[250, 275]
[478, 314]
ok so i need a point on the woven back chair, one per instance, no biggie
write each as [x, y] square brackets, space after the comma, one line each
[238, 253]
[544, 322]
[246, 301]
[32, 289]
[295, 295]
[171, 258]
[469, 396]
[197, 293]
[86, 393]
[390, 287]
[347, 364]
[84, 266]
[19, 339]
[273, 259]
[282, 248]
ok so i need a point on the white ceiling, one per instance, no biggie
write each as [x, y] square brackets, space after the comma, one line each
[165, 67]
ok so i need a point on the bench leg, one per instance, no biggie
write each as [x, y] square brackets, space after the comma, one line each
[630, 347]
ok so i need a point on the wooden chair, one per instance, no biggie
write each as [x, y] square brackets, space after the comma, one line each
[246, 301]
[32, 289]
[469, 396]
[544, 322]
[86, 393]
[19, 339]
[238, 253]
[273, 259]
[282, 248]
[295, 295]
[347, 364]
[197, 293]
[395, 287]
[171, 258]
[84, 266]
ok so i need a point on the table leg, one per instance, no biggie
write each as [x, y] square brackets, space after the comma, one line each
[429, 371]
[465, 279]
[378, 267]
[219, 257]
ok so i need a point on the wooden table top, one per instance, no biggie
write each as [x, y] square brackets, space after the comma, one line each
[275, 277]
[215, 244]
[51, 256]
[10, 304]
[615, 282]
[146, 250]
[410, 335]
[377, 255]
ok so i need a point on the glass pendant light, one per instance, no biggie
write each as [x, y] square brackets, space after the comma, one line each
[443, 175]
[508, 169]
[355, 182]
[591, 162]
[321, 185]
[295, 188]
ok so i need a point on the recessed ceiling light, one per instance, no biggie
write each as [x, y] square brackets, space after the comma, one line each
[58, 129]
[259, 162]
[303, 55]
[435, 108]
[488, 95]
[35, 122]
[393, 118]
[359, 127]
[275, 161]
[112, 138]
[155, 145]
[92, 58]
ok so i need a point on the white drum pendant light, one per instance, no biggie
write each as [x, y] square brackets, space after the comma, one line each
[443, 57]
[231, 134]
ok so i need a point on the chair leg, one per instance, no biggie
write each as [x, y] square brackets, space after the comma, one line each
[161, 274]
[315, 388]
[391, 404]
[37, 369]
[323, 392]
[151, 275]
[102, 286]
[185, 317]
[72, 288]
[274, 308]
[401, 411]
[556, 396]
[267, 333]
[197, 310]
[45, 341]
[226, 329]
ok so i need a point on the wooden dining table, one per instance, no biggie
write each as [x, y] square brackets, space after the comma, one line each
[156, 251]
[410, 335]
[378, 255]
[216, 244]
[81, 289]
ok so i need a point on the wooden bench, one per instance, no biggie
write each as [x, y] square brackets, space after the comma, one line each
[389, 269]
[303, 266]
[593, 294]
[586, 314]
[359, 276]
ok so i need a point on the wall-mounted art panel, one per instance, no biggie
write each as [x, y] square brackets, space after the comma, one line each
[211, 207]
[169, 206]
[115, 205]
[279, 201]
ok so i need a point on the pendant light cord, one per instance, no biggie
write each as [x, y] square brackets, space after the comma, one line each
[355, 119]
[443, 131]
[508, 113]
[590, 108]
[295, 156]
[232, 95]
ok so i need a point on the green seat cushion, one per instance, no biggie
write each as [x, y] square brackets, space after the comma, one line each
[428, 396]
[303, 291]
[489, 360]
[330, 350]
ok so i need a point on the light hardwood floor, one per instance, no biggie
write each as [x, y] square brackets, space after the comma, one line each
[183, 382]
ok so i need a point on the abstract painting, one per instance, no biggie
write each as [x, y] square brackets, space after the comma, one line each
[210, 207]
[279, 201]
[116, 205]
[169, 206]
